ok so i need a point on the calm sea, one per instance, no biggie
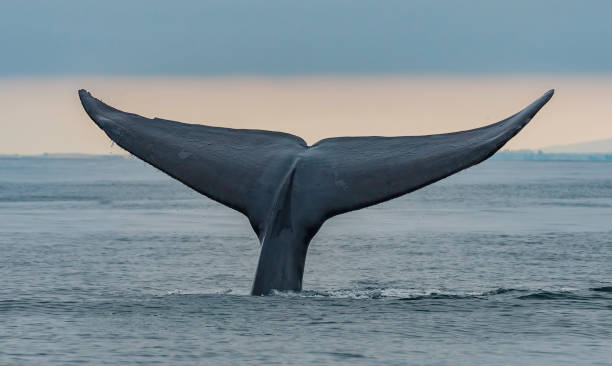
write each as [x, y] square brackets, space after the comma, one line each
[106, 261]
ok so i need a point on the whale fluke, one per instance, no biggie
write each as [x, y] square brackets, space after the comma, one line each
[286, 188]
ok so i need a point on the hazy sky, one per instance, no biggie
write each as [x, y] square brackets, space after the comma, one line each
[316, 36]
[44, 115]
[314, 68]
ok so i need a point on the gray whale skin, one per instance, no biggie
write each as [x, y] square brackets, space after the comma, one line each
[286, 188]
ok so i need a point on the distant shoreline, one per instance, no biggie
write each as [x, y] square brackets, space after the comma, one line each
[518, 155]
[65, 156]
[539, 155]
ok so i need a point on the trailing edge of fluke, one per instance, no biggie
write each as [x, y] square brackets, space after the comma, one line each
[286, 188]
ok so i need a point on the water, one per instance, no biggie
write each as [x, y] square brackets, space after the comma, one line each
[109, 262]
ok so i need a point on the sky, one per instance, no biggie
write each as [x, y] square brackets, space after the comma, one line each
[196, 37]
[377, 62]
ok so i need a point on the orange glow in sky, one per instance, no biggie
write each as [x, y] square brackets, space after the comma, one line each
[41, 115]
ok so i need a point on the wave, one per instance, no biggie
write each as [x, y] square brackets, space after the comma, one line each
[374, 293]
[392, 293]
[220, 291]
[152, 302]
[354, 293]
[602, 289]
[549, 295]
[435, 294]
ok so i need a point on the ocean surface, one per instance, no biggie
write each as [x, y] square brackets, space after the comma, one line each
[106, 261]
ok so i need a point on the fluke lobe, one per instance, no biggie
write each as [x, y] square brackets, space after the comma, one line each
[286, 188]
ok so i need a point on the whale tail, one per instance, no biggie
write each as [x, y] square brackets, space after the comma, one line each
[286, 188]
